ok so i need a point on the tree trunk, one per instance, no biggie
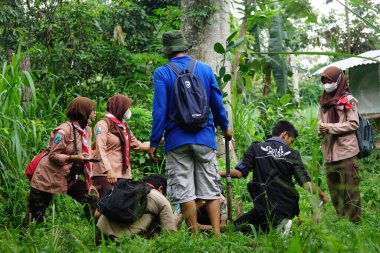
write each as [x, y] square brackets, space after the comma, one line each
[295, 77]
[242, 32]
[203, 32]
[348, 42]
[267, 80]
[24, 66]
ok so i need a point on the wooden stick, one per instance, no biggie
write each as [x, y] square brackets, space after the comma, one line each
[228, 178]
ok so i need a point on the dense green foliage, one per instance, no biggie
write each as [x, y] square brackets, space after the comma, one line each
[92, 48]
[97, 48]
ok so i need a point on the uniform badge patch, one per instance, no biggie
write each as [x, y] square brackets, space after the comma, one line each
[98, 130]
[57, 138]
[352, 101]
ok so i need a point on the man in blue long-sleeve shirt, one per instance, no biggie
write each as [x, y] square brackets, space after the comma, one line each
[191, 164]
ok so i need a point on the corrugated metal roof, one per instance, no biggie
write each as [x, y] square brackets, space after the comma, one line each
[353, 61]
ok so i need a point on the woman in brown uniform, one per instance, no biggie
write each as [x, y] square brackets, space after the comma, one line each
[114, 140]
[337, 121]
[54, 173]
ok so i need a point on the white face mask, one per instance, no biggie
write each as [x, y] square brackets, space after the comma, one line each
[330, 87]
[127, 115]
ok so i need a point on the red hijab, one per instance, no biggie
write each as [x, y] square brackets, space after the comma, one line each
[328, 101]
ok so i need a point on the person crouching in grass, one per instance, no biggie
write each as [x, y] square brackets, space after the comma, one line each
[273, 164]
[158, 215]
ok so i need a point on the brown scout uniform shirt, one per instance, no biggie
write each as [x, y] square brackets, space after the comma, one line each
[157, 205]
[341, 142]
[52, 172]
[109, 151]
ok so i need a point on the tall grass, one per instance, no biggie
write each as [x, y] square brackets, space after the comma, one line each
[21, 135]
[13, 86]
[69, 232]
[12, 130]
[308, 142]
[248, 127]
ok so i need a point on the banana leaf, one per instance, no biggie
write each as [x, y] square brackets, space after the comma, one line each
[277, 35]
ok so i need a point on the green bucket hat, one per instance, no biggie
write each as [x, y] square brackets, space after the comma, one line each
[174, 41]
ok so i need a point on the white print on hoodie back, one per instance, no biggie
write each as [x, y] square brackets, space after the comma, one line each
[276, 153]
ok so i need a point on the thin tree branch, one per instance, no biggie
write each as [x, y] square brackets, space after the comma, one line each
[236, 62]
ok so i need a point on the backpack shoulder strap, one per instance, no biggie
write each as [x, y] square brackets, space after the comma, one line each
[75, 140]
[174, 67]
[192, 65]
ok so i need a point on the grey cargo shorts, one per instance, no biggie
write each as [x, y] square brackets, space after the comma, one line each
[192, 172]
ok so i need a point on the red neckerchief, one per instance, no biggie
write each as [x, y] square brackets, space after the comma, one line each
[87, 165]
[123, 127]
[150, 185]
[344, 101]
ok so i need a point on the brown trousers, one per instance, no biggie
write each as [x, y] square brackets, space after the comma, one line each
[343, 183]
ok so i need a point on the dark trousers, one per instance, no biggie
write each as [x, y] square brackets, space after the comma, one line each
[259, 221]
[343, 183]
[39, 201]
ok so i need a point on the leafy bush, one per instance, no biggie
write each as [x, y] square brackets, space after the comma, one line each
[310, 93]
[140, 124]
[254, 117]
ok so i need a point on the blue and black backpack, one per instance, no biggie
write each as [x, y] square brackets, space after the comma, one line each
[364, 134]
[193, 110]
[127, 201]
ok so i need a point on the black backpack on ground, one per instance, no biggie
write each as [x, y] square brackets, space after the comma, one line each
[127, 201]
[193, 110]
[364, 134]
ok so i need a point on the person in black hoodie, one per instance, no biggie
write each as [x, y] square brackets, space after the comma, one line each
[274, 164]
